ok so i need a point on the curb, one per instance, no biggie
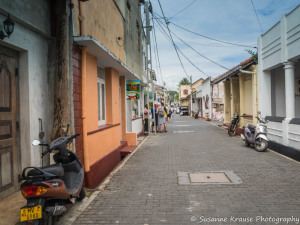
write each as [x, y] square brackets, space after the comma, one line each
[74, 211]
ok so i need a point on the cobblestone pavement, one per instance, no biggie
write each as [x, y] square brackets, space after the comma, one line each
[146, 189]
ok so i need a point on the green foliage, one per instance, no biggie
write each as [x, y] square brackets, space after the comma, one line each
[184, 81]
[176, 97]
[172, 95]
[253, 54]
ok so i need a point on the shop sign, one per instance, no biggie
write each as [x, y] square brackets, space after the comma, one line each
[133, 89]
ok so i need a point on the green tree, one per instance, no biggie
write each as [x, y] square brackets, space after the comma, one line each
[176, 97]
[184, 81]
[172, 95]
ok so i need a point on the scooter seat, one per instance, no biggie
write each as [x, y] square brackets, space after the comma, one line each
[55, 169]
[251, 128]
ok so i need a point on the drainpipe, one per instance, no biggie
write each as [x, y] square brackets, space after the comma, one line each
[83, 85]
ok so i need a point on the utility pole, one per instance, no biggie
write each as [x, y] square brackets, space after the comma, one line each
[165, 93]
[148, 61]
[191, 95]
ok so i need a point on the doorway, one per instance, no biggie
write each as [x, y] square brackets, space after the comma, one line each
[9, 159]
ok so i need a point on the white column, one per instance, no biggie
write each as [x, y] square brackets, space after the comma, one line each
[289, 89]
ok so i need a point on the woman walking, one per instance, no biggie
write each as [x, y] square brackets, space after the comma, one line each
[161, 117]
[146, 119]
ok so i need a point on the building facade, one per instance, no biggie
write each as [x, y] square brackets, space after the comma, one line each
[240, 92]
[279, 82]
[111, 56]
[27, 65]
[218, 101]
[204, 99]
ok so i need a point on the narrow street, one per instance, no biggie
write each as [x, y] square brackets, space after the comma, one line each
[147, 190]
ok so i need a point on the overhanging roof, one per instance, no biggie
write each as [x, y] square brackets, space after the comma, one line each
[105, 57]
[235, 70]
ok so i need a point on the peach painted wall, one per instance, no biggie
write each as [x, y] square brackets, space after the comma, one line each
[102, 143]
[123, 107]
[91, 93]
[112, 96]
[131, 138]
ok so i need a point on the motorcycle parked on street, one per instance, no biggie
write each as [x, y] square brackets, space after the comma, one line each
[256, 135]
[234, 125]
[48, 189]
[196, 114]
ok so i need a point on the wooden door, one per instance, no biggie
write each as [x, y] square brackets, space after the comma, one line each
[8, 136]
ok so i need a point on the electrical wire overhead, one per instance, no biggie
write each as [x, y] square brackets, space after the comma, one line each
[183, 9]
[156, 51]
[213, 39]
[257, 16]
[166, 35]
[197, 51]
[172, 39]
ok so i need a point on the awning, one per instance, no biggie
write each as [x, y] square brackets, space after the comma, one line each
[106, 58]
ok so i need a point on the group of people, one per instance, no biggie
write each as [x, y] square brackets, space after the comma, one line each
[162, 115]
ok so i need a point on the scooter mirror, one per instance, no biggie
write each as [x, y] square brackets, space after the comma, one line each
[258, 112]
[35, 142]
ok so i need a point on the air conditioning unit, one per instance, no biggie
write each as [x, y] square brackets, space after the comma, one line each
[153, 75]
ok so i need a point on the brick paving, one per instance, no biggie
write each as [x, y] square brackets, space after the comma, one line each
[146, 189]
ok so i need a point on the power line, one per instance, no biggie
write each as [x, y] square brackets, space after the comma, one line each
[208, 45]
[166, 35]
[183, 9]
[155, 46]
[257, 16]
[199, 52]
[172, 39]
[225, 42]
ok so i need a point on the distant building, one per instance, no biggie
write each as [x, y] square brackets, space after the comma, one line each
[203, 96]
[239, 93]
[184, 92]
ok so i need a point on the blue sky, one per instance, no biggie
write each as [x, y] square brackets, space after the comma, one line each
[228, 20]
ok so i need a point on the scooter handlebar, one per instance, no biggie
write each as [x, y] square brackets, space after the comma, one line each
[74, 136]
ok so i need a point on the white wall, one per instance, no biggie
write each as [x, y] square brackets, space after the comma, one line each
[137, 126]
[35, 79]
[279, 44]
[206, 91]
[278, 92]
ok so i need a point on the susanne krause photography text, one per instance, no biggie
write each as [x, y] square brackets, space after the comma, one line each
[254, 220]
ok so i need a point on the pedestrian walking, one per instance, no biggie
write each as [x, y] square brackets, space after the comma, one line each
[146, 119]
[166, 117]
[169, 113]
[154, 112]
[161, 117]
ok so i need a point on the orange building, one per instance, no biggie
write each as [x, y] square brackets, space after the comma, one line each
[100, 71]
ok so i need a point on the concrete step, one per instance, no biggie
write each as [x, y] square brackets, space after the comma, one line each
[127, 150]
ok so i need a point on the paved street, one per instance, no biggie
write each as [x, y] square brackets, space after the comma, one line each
[147, 191]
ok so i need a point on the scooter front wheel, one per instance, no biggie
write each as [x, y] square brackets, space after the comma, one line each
[247, 144]
[261, 145]
[81, 195]
[232, 129]
[48, 219]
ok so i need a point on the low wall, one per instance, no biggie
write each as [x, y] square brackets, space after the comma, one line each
[137, 125]
[284, 136]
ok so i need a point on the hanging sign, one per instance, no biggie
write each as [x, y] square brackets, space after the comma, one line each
[133, 89]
